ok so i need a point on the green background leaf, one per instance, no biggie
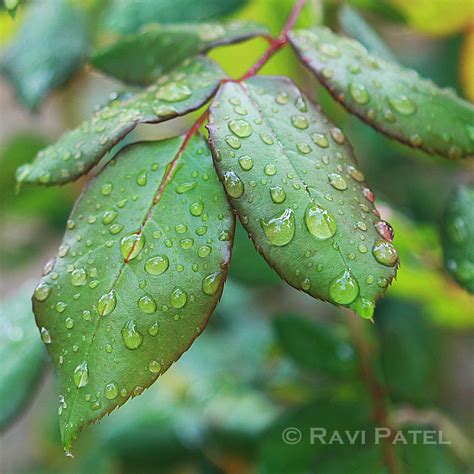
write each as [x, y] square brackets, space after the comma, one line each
[50, 46]
[22, 355]
[185, 89]
[291, 176]
[389, 97]
[137, 276]
[144, 56]
[457, 235]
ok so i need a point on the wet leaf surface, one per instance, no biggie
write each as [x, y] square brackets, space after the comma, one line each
[292, 178]
[185, 89]
[392, 99]
[457, 235]
[140, 270]
[49, 47]
[144, 56]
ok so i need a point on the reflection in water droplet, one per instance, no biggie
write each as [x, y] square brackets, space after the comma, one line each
[81, 375]
[280, 229]
[106, 303]
[131, 245]
[319, 222]
[78, 277]
[344, 289]
[385, 253]
[277, 194]
[132, 337]
[365, 308]
[157, 265]
[211, 283]
[385, 230]
[233, 184]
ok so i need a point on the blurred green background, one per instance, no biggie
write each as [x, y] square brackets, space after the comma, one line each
[271, 357]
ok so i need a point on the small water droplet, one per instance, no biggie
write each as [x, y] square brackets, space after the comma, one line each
[154, 367]
[337, 135]
[45, 336]
[359, 93]
[211, 283]
[385, 230]
[147, 304]
[241, 128]
[270, 169]
[81, 375]
[280, 229]
[344, 289]
[106, 189]
[337, 181]
[246, 162]
[300, 121]
[403, 105]
[178, 298]
[78, 277]
[365, 308]
[132, 337]
[233, 142]
[303, 148]
[233, 184]
[196, 208]
[320, 139]
[319, 222]
[142, 178]
[106, 303]
[173, 92]
[157, 265]
[131, 245]
[111, 391]
[277, 194]
[42, 291]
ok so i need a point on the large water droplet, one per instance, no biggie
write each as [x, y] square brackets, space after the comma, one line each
[385, 253]
[280, 229]
[365, 308]
[233, 184]
[319, 222]
[241, 128]
[131, 245]
[132, 337]
[157, 265]
[211, 283]
[178, 298]
[344, 289]
[233, 142]
[403, 105]
[246, 162]
[106, 303]
[359, 93]
[81, 375]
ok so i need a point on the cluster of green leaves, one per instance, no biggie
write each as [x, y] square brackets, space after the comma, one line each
[147, 247]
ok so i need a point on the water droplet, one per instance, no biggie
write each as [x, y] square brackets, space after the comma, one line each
[69, 323]
[329, 50]
[142, 178]
[337, 181]
[246, 162]
[344, 289]
[131, 245]
[211, 283]
[106, 189]
[196, 208]
[233, 184]
[241, 128]
[300, 121]
[81, 375]
[337, 135]
[147, 304]
[173, 92]
[319, 222]
[45, 336]
[385, 230]
[42, 292]
[154, 367]
[204, 251]
[282, 98]
[267, 139]
[106, 303]
[153, 329]
[365, 308]
[111, 391]
[277, 194]
[369, 195]
[359, 93]
[280, 229]
[320, 139]
[385, 253]
[132, 337]
[233, 142]
[78, 277]
[60, 306]
[356, 174]
[270, 169]
[109, 217]
[157, 265]
[185, 187]
[178, 298]
[115, 228]
[303, 147]
[403, 105]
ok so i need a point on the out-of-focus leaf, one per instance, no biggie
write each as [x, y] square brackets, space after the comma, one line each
[139, 272]
[362, 459]
[382, 8]
[144, 56]
[292, 178]
[48, 48]
[457, 233]
[12, 5]
[390, 98]
[187, 88]
[248, 266]
[291, 445]
[356, 26]
[409, 347]
[315, 347]
[22, 355]
[467, 65]
[436, 17]
[128, 16]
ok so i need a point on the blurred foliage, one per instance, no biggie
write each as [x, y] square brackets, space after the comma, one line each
[223, 406]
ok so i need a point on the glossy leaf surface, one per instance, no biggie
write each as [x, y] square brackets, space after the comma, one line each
[389, 97]
[144, 56]
[50, 46]
[185, 89]
[292, 178]
[458, 236]
[22, 357]
[140, 270]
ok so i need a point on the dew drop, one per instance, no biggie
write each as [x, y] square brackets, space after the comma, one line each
[270, 169]
[42, 292]
[178, 298]
[45, 336]
[196, 208]
[142, 178]
[280, 229]
[365, 308]
[277, 194]
[319, 222]
[210, 284]
[106, 303]
[344, 289]
[385, 253]
[106, 189]
[147, 304]
[320, 139]
[337, 181]
[132, 337]
[246, 162]
[385, 230]
[241, 128]
[233, 184]
[300, 121]
[154, 367]
[109, 217]
[303, 148]
[81, 375]
[403, 105]
[173, 92]
[78, 277]
[337, 135]
[233, 142]
[111, 391]
[157, 265]
[131, 245]
[359, 93]
[153, 329]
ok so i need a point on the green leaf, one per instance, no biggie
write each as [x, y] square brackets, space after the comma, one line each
[144, 56]
[128, 16]
[139, 272]
[291, 176]
[389, 97]
[50, 45]
[356, 26]
[315, 347]
[187, 88]
[11, 6]
[21, 353]
[457, 235]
